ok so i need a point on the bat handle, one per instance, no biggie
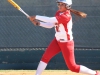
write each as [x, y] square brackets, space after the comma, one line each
[24, 13]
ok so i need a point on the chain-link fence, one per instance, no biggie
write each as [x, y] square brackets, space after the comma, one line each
[22, 44]
[17, 31]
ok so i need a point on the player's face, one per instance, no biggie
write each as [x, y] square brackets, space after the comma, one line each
[61, 6]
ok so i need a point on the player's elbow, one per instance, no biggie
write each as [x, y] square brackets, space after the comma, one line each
[50, 26]
[46, 25]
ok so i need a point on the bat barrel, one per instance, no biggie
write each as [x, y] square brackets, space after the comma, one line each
[14, 4]
[18, 7]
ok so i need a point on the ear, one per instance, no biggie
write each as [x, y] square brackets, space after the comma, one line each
[68, 6]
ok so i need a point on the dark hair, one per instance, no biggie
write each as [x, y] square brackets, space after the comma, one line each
[78, 13]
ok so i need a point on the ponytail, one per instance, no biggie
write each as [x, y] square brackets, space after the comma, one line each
[78, 13]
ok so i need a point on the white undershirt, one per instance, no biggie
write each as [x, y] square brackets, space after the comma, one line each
[47, 19]
[48, 22]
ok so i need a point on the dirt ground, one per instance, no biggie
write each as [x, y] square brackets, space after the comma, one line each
[32, 72]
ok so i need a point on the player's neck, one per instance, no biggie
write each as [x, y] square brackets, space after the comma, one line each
[63, 11]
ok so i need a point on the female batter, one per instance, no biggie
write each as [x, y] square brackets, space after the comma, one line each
[63, 41]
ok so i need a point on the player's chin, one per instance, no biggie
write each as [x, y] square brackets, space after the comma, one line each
[60, 10]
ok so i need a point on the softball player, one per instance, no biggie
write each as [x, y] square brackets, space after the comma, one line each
[63, 41]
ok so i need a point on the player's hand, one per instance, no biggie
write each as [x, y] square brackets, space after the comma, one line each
[34, 21]
[32, 18]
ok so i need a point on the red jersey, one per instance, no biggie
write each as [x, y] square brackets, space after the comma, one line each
[64, 26]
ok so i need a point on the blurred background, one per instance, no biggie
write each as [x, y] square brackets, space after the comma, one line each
[22, 44]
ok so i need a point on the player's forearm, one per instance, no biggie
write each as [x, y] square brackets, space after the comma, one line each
[46, 19]
[46, 25]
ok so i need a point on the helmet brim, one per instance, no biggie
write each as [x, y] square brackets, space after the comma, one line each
[68, 3]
